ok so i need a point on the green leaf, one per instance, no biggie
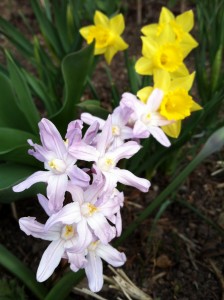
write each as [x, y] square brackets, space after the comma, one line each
[75, 69]
[60, 14]
[14, 146]
[47, 28]
[25, 100]
[64, 286]
[40, 91]
[16, 267]
[93, 107]
[17, 38]
[213, 144]
[11, 290]
[133, 77]
[107, 6]
[20, 154]
[11, 174]
[216, 69]
[10, 114]
[12, 139]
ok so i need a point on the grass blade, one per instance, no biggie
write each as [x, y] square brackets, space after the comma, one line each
[64, 286]
[213, 144]
[16, 267]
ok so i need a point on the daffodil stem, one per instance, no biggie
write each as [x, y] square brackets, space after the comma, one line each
[114, 91]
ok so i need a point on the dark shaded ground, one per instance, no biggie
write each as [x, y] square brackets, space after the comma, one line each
[181, 257]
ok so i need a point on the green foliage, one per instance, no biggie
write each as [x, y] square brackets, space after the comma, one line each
[213, 144]
[10, 290]
[62, 71]
[106, 6]
[64, 286]
[24, 99]
[93, 107]
[16, 267]
[12, 173]
[160, 203]
[209, 55]
[75, 69]
[58, 60]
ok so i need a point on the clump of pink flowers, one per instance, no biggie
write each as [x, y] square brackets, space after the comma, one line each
[81, 230]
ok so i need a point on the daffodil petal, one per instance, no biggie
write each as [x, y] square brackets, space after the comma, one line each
[150, 30]
[144, 93]
[148, 46]
[109, 54]
[101, 19]
[188, 43]
[165, 16]
[185, 82]
[162, 79]
[98, 51]
[186, 20]
[119, 43]
[196, 106]
[117, 24]
[144, 66]
[167, 35]
[172, 130]
[180, 72]
[85, 33]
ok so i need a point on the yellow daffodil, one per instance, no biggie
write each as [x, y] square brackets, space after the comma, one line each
[181, 26]
[164, 52]
[176, 104]
[106, 33]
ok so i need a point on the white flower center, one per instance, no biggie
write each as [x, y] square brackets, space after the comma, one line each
[57, 165]
[106, 163]
[146, 118]
[88, 209]
[116, 131]
[93, 246]
[68, 232]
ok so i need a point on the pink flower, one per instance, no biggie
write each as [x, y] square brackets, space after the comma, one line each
[106, 163]
[119, 120]
[63, 233]
[59, 162]
[94, 266]
[94, 212]
[146, 117]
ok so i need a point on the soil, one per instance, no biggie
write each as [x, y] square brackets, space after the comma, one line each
[179, 257]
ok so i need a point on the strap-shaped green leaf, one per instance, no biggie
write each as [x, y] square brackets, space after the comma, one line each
[10, 113]
[60, 13]
[25, 101]
[16, 267]
[14, 146]
[20, 154]
[64, 286]
[40, 90]
[213, 144]
[93, 107]
[10, 175]
[48, 29]
[17, 38]
[75, 69]
[13, 138]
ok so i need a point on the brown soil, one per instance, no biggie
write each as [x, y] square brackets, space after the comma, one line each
[179, 258]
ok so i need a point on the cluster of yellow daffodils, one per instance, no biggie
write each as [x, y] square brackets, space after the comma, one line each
[165, 45]
[106, 33]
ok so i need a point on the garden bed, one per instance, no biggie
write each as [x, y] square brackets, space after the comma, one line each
[179, 257]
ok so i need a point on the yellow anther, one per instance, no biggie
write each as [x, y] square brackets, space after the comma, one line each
[92, 208]
[68, 232]
[52, 164]
[115, 130]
